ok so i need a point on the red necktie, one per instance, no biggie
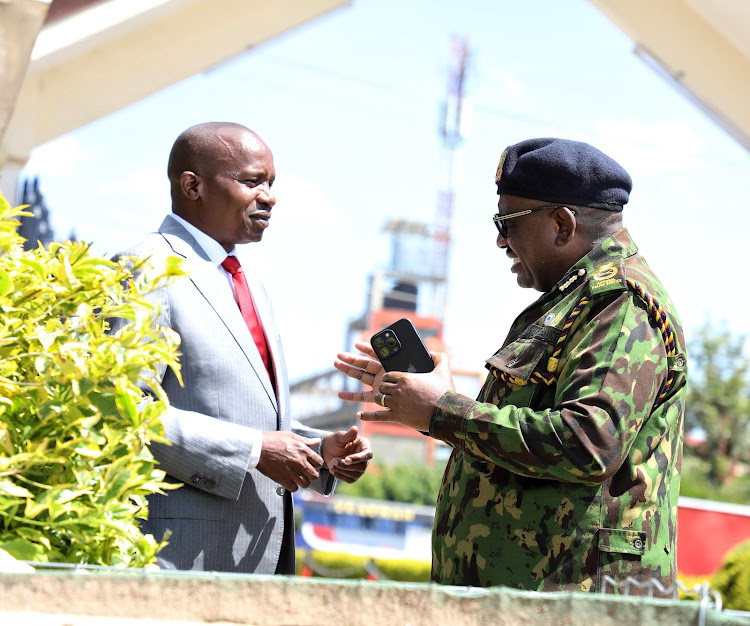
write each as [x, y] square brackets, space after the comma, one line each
[247, 308]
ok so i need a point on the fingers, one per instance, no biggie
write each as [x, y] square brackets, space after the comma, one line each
[357, 452]
[301, 473]
[287, 459]
[314, 458]
[291, 481]
[392, 379]
[357, 396]
[366, 348]
[386, 392]
[440, 358]
[292, 484]
[353, 372]
[353, 459]
[351, 467]
[375, 416]
[347, 436]
[353, 454]
[363, 396]
[369, 365]
[349, 474]
[358, 368]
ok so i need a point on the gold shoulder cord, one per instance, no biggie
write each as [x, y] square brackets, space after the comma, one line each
[655, 311]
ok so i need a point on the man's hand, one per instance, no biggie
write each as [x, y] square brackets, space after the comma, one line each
[409, 399]
[346, 454]
[368, 371]
[288, 459]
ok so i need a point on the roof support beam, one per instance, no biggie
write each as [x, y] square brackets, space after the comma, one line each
[117, 52]
[692, 43]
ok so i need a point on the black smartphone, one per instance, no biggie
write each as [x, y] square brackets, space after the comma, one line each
[400, 348]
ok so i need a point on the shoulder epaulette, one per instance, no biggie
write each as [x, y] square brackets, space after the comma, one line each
[606, 279]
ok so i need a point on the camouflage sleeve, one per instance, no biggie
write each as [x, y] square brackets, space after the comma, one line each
[609, 376]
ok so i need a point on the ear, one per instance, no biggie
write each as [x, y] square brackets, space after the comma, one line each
[565, 225]
[190, 184]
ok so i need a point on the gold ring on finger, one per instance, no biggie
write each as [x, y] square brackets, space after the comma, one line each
[382, 400]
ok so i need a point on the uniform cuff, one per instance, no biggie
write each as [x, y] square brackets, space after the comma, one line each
[450, 418]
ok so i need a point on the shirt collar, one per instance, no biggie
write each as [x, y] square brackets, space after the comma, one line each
[213, 249]
[617, 246]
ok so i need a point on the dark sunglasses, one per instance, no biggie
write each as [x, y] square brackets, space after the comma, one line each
[502, 227]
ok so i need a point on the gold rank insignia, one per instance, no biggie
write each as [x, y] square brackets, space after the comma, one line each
[608, 270]
[607, 278]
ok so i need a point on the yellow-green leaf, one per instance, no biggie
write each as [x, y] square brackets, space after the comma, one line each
[6, 283]
[9, 488]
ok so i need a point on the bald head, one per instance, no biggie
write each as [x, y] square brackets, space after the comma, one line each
[205, 148]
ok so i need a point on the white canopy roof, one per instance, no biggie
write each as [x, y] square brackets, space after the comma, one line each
[702, 46]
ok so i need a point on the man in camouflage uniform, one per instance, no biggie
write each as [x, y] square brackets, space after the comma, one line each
[566, 467]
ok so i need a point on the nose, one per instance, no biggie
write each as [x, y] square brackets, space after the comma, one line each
[267, 196]
[502, 242]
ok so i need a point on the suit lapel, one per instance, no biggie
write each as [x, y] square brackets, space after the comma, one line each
[207, 280]
[265, 315]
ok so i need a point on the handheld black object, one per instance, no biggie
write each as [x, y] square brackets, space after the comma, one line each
[400, 348]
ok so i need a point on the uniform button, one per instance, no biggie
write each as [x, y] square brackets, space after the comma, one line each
[279, 491]
[195, 479]
[638, 543]
[681, 361]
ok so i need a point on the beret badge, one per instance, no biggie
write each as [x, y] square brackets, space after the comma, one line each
[499, 173]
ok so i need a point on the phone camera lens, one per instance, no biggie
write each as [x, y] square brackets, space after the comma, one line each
[378, 341]
[384, 352]
[391, 341]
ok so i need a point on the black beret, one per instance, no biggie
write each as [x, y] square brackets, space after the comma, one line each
[560, 170]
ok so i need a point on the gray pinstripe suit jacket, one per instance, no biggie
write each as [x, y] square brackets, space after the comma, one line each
[224, 518]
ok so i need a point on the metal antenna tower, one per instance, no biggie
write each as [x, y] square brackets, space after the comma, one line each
[452, 131]
[414, 284]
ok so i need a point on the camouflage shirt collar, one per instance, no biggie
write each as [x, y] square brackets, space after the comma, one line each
[616, 247]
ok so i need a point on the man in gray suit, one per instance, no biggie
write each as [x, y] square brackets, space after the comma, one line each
[233, 443]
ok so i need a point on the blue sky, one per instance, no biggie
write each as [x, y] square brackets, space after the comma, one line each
[350, 106]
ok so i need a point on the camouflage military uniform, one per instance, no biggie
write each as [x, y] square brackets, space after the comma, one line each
[553, 486]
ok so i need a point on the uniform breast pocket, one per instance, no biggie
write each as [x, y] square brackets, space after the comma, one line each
[517, 361]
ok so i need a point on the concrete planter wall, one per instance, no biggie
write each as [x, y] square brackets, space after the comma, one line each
[88, 598]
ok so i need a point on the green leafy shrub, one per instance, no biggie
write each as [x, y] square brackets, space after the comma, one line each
[404, 570]
[696, 482]
[330, 564]
[732, 580]
[74, 463]
[694, 478]
[692, 583]
[346, 566]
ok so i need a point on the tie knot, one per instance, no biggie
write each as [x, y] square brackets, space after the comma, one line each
[231, 265]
